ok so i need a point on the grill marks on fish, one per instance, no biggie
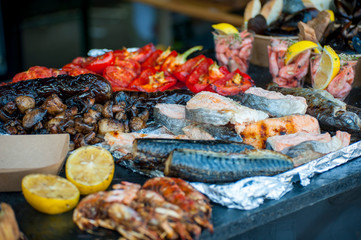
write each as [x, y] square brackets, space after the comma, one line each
[256, 134]
[213, 167]
[331, 113]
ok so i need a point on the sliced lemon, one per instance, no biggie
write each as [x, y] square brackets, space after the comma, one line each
[49, 194]
[332, 15]
[225, 28]
[90, 168]
[328, 69]
[295, 49]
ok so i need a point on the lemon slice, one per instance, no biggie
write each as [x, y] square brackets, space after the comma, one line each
[225, 28]
[332, 15]
[328, 69]
[90, 168]
[295, 49]
[49, 194]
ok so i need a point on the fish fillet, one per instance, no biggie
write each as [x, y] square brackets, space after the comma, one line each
[256, 134]
[123, 142]
[280, 142]
[212, 108]
[275, 103]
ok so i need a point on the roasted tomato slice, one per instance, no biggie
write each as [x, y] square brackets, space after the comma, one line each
[142, 53]
[233, 83]
[121, 53]
[80, 61]
[75, 70]
[119, 76]
[130, 64]
[151, 80]
[98, 64]
[33, 73]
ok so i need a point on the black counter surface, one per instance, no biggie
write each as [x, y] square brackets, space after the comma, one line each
[328, 208]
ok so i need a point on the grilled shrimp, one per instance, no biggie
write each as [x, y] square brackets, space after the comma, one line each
[290, 75]
[173, 193]
[234, 51]
[341, 85]
[168, 219]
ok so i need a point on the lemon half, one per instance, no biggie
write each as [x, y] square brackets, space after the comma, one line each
[332, 15]
[328, 69]
[90, 168]
[225, 28]
[295, 49]
[49, 194]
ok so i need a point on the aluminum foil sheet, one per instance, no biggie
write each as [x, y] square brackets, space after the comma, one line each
[250, 193]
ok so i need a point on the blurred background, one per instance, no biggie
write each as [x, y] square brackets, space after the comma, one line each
[51, 33]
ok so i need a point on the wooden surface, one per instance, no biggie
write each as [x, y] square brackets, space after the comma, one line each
[213, 11]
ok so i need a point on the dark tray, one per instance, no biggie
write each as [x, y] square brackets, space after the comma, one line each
[228, 223]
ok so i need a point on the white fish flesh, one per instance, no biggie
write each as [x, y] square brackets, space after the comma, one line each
[212, 108]
[275, 103]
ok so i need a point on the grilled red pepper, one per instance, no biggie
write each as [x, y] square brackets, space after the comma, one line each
[233, 83]
[151, 61]
[151, 80]
[175, 60]
[182, 71]
[206, 73]
[98, 64]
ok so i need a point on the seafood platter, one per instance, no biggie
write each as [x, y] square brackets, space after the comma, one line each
[196, 130]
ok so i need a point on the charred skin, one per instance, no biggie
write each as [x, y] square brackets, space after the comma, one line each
[151, 153]
[212, 167]
[143, 100]
[330, 115]
[82, 86]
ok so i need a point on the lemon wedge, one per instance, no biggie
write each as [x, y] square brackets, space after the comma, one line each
[332, 15]
[90, 169]
[328, 69]
[295, 49]
[49, 194]
[225, 28]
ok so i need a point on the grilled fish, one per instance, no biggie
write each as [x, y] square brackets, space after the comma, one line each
[256, 134]
[210, 132]
[331, 113]
[280, 142]
[310, 150]
[213, 167]
[274, 103]
[212, 108]
[151, 153]
[171, 116]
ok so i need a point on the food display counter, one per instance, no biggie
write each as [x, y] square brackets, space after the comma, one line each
[298, 213]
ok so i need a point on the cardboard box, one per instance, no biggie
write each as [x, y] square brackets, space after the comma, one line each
[21, 155]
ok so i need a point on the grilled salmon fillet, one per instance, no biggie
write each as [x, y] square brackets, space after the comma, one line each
[256, 133]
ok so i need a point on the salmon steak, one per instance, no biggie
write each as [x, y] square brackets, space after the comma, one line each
[256, 134]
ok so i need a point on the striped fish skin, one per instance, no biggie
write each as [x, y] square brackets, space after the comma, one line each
[212, 167]
[150, 153]
[332, 114]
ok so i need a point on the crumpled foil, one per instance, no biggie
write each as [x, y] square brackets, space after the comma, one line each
[97, 52]
[249, 193]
